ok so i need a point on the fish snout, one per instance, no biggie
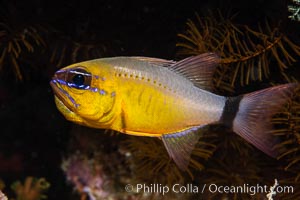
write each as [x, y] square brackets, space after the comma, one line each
[60, 75]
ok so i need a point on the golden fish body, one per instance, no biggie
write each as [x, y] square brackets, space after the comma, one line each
[155, 97]
[155, 101]
[137, 97]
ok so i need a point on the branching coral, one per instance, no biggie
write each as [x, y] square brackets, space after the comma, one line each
[247, 54]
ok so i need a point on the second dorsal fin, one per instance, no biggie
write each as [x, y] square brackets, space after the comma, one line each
[198, 69]
[156, 61]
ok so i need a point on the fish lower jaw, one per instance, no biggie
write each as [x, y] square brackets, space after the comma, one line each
[67, 113]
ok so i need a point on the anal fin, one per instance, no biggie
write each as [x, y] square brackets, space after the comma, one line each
[180, 145]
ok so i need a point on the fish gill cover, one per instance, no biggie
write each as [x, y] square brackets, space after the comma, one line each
[258, 48]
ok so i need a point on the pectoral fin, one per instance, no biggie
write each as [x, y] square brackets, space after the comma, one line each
[180, 145]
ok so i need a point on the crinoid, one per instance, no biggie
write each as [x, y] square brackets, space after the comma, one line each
[74, 46]
[238, 175]
[149, 155]
[16, 42]
[290, 184]
[287, 127]
[247, 54]
[66, 50]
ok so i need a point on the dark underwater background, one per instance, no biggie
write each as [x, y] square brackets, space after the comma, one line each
[38, 146]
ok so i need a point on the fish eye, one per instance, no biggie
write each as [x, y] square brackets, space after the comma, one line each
[79, 78]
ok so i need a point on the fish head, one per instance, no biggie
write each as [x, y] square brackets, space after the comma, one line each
[84, 93]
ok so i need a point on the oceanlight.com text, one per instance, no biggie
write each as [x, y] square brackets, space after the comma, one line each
[211, 188]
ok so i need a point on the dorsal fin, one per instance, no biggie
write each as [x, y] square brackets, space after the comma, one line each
[156, 61]
[198, 69]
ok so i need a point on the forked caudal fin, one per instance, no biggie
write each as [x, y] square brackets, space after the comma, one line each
[253, 118]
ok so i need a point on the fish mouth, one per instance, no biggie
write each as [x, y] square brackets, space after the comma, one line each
[63, 95]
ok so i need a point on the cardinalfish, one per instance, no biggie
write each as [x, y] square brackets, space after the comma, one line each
[171, 100]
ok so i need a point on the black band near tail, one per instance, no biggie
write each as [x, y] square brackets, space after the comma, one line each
[230, 110]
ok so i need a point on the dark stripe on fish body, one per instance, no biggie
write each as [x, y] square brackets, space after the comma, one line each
[230, 110]
[140, 97]
[123, 121]
[149, 104]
